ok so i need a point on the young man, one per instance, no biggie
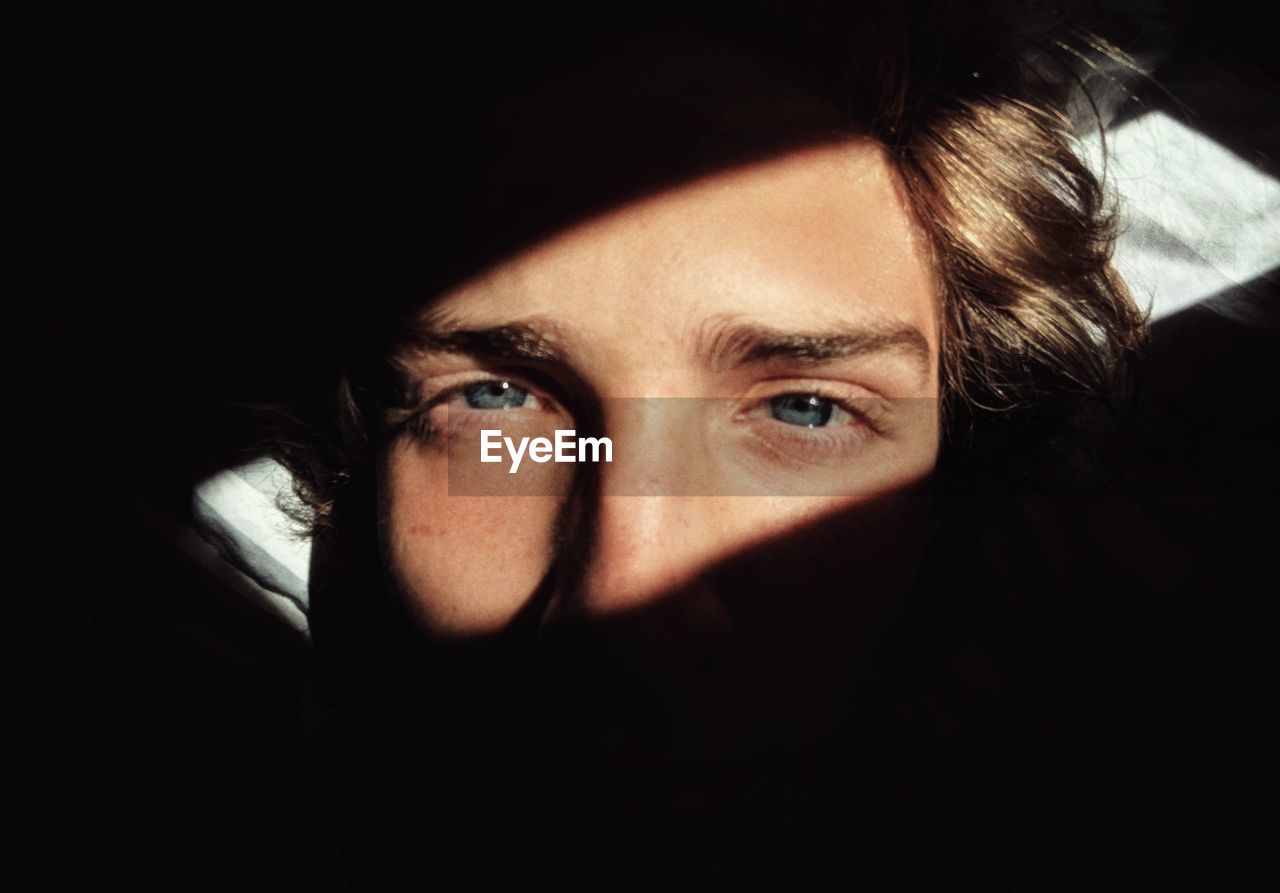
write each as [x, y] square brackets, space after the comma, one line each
[805, 285]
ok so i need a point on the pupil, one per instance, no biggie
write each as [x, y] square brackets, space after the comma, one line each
[494, 395]
[809, 410]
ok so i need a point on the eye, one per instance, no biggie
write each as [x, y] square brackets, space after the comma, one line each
[497, 393]
[812, 426]
[806, 410]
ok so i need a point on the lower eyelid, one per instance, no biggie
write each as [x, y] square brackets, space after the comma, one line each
[807, 446]
[450, 415]
[853, 428]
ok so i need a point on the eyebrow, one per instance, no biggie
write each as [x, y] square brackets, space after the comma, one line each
[731, 345]
[533, 339]
[724, 344]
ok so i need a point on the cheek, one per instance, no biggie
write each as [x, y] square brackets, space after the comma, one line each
[466, 564]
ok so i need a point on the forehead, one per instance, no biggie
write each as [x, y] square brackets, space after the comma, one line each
[814, 238]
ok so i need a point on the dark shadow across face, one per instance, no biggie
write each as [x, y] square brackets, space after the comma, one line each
[694, 729]
[667, 642]
[676, 222]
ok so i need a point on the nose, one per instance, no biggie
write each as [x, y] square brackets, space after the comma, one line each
[642, 550]
[641, 546]
[645, 534]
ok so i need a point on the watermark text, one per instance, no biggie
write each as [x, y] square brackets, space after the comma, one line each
[566, 447]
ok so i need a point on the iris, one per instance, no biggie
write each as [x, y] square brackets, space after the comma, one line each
[808, 410]
[494, 394]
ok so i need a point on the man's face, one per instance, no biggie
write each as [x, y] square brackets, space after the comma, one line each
[746, 551]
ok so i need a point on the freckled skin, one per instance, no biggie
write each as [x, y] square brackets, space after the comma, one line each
[795, 241]
[703, 630]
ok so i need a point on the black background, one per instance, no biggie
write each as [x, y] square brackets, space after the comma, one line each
[150, 723]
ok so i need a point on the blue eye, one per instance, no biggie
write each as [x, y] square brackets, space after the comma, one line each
[808, 410]
[495, 394]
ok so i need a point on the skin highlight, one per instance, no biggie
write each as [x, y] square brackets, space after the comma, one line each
[799, 273]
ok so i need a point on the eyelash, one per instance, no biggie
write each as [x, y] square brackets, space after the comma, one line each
[817, 444]
[862, 411]
[821, 440]
[419, 423]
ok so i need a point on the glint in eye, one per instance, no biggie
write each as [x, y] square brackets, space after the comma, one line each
[498, 394]
[809, 427]
[807, 410]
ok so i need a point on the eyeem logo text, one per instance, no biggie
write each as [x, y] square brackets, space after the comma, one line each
[566, 448]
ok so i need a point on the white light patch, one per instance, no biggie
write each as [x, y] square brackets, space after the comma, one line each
[1196, 219]
[239, 508]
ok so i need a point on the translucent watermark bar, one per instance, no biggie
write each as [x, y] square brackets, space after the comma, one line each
[786, 444]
